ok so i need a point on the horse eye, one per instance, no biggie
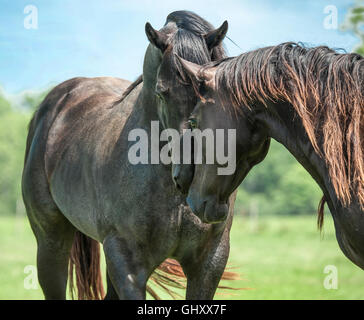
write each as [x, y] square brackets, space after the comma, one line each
[193, 123]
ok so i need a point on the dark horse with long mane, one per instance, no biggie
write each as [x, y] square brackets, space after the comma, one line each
[310, 100]
[77, 179]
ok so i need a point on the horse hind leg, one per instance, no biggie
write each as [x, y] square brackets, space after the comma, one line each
[53, 232]
[54, 242]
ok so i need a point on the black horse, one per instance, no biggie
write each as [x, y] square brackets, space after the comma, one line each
[310, 100]
[77, 178]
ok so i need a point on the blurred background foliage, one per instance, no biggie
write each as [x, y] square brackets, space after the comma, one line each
[278, 186]
[355, 23]
[15, 113]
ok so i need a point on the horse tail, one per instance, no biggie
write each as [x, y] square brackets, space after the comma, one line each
[320, 213]
[31, 130]
[84, 263]
[170, 275]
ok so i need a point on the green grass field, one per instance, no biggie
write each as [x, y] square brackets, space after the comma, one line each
[278, 258]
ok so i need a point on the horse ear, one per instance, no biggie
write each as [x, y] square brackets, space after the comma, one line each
[189, 68]
[215, 37]
[157, 38]
[193, 71]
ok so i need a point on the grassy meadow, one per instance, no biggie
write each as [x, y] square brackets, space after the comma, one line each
[278, 257]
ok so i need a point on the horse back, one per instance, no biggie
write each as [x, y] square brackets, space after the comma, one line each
[71, 101]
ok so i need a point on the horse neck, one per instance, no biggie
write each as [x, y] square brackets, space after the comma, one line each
[285, 126]
[146, 107]
[144, 112]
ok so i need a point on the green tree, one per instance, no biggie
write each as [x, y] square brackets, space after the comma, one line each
[15, 114]
[278, 185]
[354, 22]
[13, 129]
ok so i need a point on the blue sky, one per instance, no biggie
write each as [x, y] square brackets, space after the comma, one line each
[106, 38]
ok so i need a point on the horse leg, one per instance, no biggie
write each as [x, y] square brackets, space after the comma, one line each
[54, 240]
[127, 268]
[53, 232]
[52, 261]
[111, 293]
[204, 270]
